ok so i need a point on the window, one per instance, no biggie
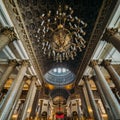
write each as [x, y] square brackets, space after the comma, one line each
[59, 76]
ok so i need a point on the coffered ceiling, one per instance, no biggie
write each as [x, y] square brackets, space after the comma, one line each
[31, 12]
[26, 14]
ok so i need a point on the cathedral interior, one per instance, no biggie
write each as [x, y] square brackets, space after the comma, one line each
[59, 59]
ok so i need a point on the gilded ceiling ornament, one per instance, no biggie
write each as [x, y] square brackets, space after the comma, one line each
[61, 34]
[109, 33]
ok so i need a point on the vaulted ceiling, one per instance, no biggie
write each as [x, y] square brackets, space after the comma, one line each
[26, 14]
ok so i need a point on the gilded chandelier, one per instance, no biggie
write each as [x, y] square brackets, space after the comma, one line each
[61, 34]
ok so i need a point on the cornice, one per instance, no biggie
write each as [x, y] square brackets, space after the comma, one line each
[99, 27]
[16, 17]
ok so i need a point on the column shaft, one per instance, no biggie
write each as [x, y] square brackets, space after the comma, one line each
[31, 102]
[107, 91]
[115, 40]
[41, 104]
[104, 101]
[35, 104]
[92, 101]
[6, 74]
[6, 36]
[9, 100]
[27, 100]
[90, 111]
[84, 105]
[17, 98]
[114, 75]
[78, 110]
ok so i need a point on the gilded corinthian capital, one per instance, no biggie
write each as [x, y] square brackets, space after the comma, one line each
[109, 33]
[12, 62]
[9, 32]
[93, 63]
[106, 63]
[24, 63]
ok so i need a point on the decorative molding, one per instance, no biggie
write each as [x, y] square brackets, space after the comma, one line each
[100, 25]
[16, 17]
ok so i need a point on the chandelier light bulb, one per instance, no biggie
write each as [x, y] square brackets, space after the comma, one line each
[42, 23]
[43, 15]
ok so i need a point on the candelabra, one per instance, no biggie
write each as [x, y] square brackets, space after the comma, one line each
[61, 34]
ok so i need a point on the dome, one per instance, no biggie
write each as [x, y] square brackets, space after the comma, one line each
[59, 76]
